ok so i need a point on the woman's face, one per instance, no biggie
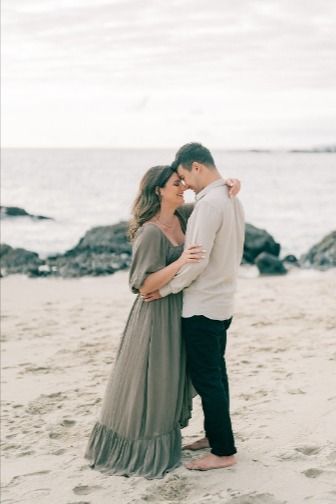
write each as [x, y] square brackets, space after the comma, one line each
[173, 192]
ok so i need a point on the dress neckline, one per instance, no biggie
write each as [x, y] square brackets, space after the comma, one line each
[164, 234]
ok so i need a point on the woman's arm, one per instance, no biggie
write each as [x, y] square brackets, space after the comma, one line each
[234, 186]
[160, 278]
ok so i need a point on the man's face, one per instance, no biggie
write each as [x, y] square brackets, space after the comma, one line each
[189, 177]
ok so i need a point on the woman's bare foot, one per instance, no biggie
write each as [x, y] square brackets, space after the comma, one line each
[211, 461]
[197, 445]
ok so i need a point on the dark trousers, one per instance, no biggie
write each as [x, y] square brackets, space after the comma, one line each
[206, 341]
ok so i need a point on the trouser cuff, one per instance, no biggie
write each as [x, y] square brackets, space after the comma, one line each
[223, 453]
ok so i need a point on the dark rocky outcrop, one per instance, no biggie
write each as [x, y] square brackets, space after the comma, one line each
[87, 263]
[322, 255]
[257, 241]
[291, 259]
[102, 251]
[268, 264]
[104, 239]
[106, 249]
[12, 212]
[19, 261]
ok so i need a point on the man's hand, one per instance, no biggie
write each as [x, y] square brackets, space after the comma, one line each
[152, 296]
[234, 186]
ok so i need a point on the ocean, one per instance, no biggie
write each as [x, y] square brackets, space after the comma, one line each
[291, 195]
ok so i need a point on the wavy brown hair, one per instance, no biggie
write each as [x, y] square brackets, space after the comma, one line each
[148, 201]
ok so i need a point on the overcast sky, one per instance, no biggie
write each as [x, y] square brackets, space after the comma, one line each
[158, 73]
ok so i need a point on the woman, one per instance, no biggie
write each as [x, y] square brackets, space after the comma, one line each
[149, 396]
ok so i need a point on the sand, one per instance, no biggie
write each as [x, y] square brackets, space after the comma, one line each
[60, 339]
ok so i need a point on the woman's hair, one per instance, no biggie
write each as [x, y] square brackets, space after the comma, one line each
[148, 201]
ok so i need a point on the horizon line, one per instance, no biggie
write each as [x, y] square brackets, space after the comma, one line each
[320, 147]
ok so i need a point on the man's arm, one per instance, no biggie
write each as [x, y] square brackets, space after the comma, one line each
[202, 229]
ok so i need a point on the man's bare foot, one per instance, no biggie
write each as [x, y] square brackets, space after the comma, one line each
[197, 445]
[211, 461]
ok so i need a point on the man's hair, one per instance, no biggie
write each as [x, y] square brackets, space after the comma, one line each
[190, 153]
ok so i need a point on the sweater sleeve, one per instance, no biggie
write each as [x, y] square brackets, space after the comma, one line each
[202, 229]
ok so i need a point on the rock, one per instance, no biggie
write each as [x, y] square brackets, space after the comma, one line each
[257, 241]
[13, 212]
[103, 239]
[6, 212]
[18, 260]
[323, 254]
[291, 259]
[291, 262]
[106, 249]
[92, 264]
[102, 251]
[268, 264]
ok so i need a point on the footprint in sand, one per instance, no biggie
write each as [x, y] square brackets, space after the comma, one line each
[308, 450]
[296, 391]
[19, 478]
[291, 455]
[68, 422]
[255, 498]
[59, 452]
[79, 502]
[85, 489]
[37, 473]
[37, 370]
[175, 489]
[45, 403]
[38, 492]
[54, 434]
[312, 472]
[25, 453]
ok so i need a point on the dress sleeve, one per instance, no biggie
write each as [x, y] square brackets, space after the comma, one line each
[149, 255]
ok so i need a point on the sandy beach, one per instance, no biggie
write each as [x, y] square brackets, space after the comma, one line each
[59, 340]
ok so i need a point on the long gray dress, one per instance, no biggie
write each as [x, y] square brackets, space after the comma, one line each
[148, 398]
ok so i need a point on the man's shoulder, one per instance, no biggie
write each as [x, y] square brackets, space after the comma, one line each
[218, 203]
[216, 198]
[219, 192]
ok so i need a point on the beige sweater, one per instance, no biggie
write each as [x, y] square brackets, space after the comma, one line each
[216, 223]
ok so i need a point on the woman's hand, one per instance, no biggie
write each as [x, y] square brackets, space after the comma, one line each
[233, 185]
[152, 296]
[193, 254]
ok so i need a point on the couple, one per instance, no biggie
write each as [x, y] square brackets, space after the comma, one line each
[185, 261]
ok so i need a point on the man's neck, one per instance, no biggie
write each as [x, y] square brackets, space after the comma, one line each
[211, 177]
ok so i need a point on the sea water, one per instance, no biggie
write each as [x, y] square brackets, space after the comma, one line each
[291, 195]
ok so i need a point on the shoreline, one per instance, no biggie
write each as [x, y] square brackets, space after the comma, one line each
[104, 250]
[246, 271]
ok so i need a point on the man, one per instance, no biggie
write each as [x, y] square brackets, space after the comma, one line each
[216, 223]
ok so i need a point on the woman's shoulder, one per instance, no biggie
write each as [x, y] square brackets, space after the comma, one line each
[148, 230]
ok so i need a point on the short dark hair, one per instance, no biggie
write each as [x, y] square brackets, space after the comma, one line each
[190, 153]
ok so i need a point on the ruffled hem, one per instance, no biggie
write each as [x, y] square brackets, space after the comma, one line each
[151, 458]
